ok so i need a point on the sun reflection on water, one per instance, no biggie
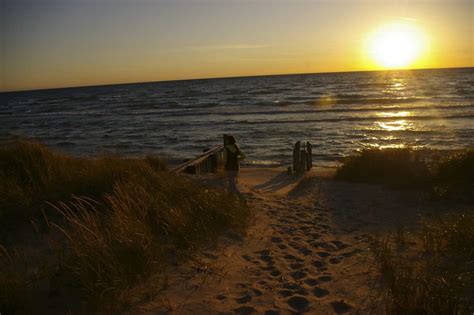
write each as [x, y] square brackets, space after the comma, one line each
[396, 125]
[394, 114]
[386, 146]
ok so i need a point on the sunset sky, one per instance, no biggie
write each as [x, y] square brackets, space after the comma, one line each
[59, 43]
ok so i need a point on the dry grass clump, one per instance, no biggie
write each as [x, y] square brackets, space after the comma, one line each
[117, 225]
[454, 176]
[30, 174]
[434, 274]
[445, 174]
[399, 167]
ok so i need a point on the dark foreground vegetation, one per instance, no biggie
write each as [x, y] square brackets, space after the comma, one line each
[448, 175]
[86, 235]
[430, 270]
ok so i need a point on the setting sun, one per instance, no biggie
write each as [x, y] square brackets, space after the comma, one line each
[396, 45]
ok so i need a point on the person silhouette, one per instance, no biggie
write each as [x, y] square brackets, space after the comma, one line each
[232, 167]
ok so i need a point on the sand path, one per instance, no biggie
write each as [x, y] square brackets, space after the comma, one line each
[298, 257]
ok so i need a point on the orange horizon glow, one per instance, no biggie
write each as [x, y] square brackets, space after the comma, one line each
[74, 43]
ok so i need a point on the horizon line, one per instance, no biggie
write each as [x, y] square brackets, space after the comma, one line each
[230, 77]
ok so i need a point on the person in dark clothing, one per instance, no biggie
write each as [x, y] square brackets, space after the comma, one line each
[232, 167]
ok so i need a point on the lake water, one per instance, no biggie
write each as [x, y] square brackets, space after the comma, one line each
[337, 112]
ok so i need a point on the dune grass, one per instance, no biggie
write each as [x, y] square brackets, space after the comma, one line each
[429, 271]
[432, 271]
[31, 174]
[448, 175]
[399, 167]
[112, 226]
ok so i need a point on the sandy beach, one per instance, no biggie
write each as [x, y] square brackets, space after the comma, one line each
[307, 251]
[157, 242]
[124, 125]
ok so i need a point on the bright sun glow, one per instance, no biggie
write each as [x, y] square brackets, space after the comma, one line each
[396, 45]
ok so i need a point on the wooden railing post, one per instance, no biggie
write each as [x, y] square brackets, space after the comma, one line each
[296, 157]
[302, 168]
[309, 150]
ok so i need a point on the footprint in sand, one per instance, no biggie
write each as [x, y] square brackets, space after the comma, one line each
[245, 298]
[306, 229]
[293, 258]
[241, 285]
[304, 251]
[294, 245]
[285, 293]
[328, 247]
[273, 212]
[296, 265]
[256, 292]
[276, 239]
[275, 273]
[323, 254]
[221, 297]
[298, 275]
[335, 260]
[244, 310]
[325, 278]
[320, 292]
[311, 282]
[352, 253]
[298, 304]
[340, 307]
[318, 264]
[295, 288]
[265, 256]
[340, 245]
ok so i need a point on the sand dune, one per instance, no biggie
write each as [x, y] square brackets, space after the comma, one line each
[308, 250]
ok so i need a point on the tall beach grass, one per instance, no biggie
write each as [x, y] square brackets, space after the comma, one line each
[110, 226]
[448, 175]
[429, 270]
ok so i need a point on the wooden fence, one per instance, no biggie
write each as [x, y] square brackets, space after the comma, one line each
[207, 162]
[211, 160]
[302, 158]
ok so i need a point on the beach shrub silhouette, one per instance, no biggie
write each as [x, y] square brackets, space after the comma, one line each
[111, 226]
[445, 174]
[398, 167]
[454, 176]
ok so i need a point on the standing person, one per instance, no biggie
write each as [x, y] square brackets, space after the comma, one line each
[234, 155]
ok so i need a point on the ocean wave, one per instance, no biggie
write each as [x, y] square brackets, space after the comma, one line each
[336, 112]
[339, 119]
[190, 112]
